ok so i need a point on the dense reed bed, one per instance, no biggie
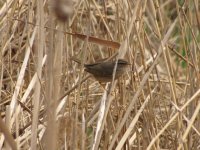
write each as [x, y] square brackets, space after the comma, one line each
[48, 101]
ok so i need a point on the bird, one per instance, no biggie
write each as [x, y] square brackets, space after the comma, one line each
[103, 70]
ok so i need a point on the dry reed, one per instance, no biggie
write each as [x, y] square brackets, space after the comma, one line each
[48, 101]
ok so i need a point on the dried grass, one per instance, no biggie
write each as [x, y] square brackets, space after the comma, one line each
[48, 101]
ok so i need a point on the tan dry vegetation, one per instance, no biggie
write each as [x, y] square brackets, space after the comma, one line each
[47, 101]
